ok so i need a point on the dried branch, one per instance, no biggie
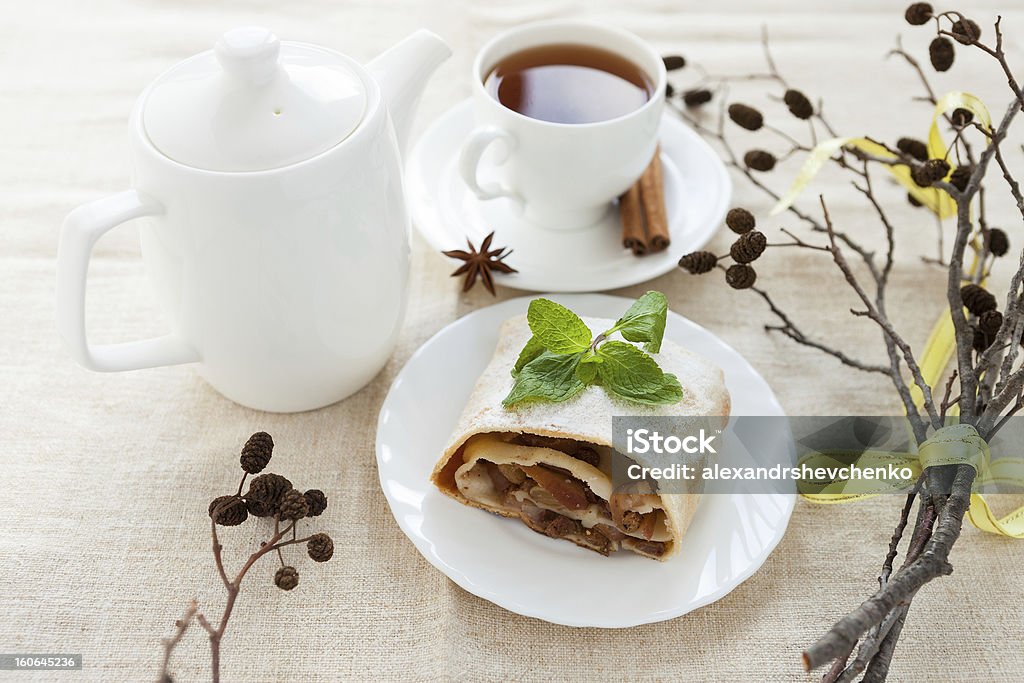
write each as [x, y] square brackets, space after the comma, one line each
[790, 329]
[878, 668]
[881, 320]
[947, 398]
[733, 160]
[987, 388]
[270, 495]
[180, 626]
[932, 563]
[964, 334]
[217, 633]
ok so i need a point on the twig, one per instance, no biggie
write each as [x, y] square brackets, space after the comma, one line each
[766, 48]
[932, 563]
[1014, 409]
[876, 638]
[878, 668]
[217, 547]
[180, 626]
[964, 335]
[789, 328]
[881, 320]
[733, 160]
[947, 400]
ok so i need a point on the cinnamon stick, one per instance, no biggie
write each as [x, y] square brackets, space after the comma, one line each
[632, 217]
[652, 195]
[643, 214]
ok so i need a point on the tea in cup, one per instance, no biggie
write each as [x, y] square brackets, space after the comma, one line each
[573, 108]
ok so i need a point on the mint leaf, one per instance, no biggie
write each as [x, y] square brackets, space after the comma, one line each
[629, 373]
[556, 328]
[586, 372]
[549, 377]
[670, 392]
[532, 349]
[644, 321]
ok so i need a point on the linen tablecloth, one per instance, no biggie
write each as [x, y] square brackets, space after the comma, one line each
[106, 478]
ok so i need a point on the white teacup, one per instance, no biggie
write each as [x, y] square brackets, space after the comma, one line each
[564, 175]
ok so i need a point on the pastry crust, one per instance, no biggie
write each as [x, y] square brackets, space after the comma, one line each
[585, 419]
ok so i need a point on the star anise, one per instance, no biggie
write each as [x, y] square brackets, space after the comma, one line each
[480, 263]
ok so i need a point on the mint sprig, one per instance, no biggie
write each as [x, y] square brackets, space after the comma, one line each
[563, 357]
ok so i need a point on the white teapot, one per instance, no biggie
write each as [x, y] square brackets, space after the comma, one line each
[275, 231]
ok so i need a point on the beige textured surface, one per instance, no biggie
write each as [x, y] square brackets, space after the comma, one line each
[106, 478]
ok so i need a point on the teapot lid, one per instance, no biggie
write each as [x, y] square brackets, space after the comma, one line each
[253, 103]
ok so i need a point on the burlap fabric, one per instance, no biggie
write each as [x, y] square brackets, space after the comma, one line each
[106, 478]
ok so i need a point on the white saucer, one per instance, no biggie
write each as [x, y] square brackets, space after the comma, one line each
[697, 193]
[501, 560]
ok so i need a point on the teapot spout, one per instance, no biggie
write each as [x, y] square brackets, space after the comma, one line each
[402, 72]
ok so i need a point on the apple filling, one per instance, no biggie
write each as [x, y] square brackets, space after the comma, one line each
[561, 488]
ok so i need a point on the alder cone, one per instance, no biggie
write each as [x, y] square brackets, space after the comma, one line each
[799, 105]
[979, 340]
[960, 176]
[269, 488]
[961, 117]
[759, 160]
[965, 31]
[740, 220]
[698, 262]
[256, 452]
[320, 547]
[293, 506]
[697, 97]
[746, 116]
[913, 147]
[998, 242]
[286, 578]
[748, 247]
[989, 322]
[673, 62]
[740, 276]
[930, 172]
[977, 299]
[941, 53]
[258, 508]
[316, 500]
[230, 510]
[919, 13]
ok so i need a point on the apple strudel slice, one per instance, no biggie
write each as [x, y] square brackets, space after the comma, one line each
[550, 464]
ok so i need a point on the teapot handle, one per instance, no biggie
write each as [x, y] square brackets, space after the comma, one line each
[81, 229]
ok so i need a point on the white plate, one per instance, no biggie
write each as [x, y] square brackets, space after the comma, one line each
[697, 192]
[500, 559]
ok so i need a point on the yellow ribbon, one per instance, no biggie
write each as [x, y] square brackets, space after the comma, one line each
[950, 445]
[938, 351]
[936, 200]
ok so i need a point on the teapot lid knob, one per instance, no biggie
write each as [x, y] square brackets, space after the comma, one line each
[249, 53]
